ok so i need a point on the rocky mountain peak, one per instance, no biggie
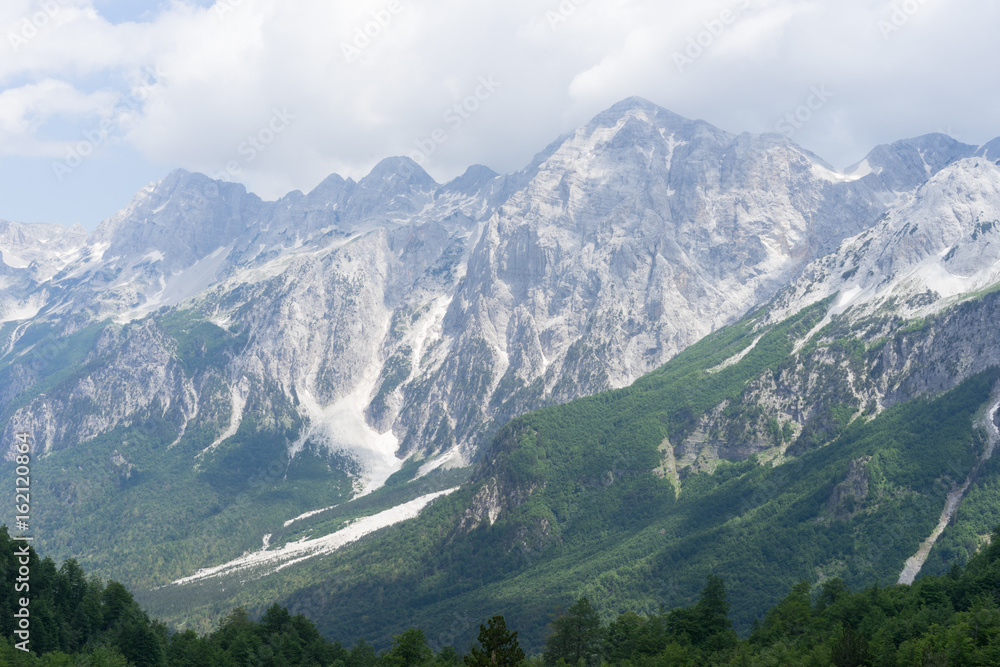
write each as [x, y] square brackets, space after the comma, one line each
[990, 150]
[397, 174]
[330, 189]
[183, 217]
[471, 182]
[394, 188]
[940, 245]
[905, 164]
[640, 108]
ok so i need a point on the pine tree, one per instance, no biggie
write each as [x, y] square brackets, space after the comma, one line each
[577, 635]
[707, 623]
[712, 609]
[409, 649]
[499, 646]
[623, 636]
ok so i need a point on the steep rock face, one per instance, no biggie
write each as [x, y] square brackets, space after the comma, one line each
[158, 220]
[37, 249]
[30, 254]
[128, 373]
[850, 493]
[943, 243]
[400, 316]
[913, 313]
[633, 237]
[903, 165]
[849, 370]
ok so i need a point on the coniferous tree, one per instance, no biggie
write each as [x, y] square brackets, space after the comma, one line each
[115, 602]
[276, 619]
[576, 636]
[623, 636]
[707, 623]
[139, 642]
[499, 646]
[712, 609]
[409, 649]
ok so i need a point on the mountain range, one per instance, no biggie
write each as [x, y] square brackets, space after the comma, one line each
[655, 346]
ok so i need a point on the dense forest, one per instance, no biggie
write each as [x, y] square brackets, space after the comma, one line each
[953, 619]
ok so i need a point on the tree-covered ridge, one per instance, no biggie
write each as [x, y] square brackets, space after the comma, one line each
[952, 619]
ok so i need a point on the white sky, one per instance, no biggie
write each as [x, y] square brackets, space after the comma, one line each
[185, 83]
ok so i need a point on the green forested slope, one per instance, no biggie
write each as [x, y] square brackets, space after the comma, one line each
[632, 545]
[630, 497]
[941, 620]
[587, 503]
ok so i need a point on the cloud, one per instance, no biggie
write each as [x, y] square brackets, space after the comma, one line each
[27, 109]
[359, 81]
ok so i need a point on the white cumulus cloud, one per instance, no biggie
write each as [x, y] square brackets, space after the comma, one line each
[198, 85]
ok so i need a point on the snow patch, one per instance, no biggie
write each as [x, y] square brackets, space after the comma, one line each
[861, 170]
[935, 277]
[672, 144]
[24, 310]
[845, 299]
[12, 260]
[736, 358]
[825, 174]
[93, 258]
[306, 515]
[429, 328]
[268, 562]
[341, 427]
[221, 321]
[447, 461]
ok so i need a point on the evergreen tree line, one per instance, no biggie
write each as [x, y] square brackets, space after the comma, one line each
[939, 620]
